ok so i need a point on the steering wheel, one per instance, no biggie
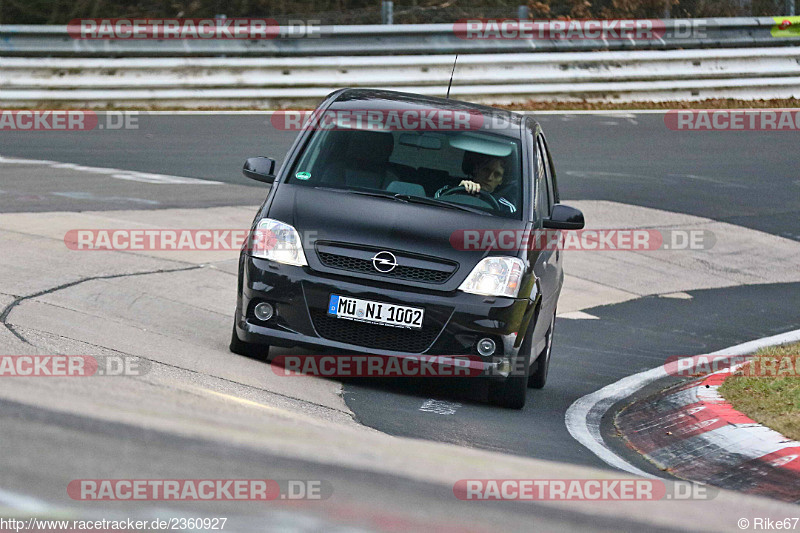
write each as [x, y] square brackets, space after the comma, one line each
[483, 195]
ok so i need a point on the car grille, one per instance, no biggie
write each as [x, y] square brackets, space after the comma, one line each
[355, 264]
[372, 335]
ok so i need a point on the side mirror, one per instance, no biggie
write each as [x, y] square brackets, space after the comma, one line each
[564, 217]
[260, 169]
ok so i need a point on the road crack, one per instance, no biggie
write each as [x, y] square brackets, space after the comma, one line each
[7, 310]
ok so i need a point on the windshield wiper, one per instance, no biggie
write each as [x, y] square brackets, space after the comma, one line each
[376, 194]
[441, 203]
[406, 198]
[383, 194]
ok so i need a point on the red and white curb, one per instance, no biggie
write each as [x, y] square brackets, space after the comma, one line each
[692, 432]
[584, 416]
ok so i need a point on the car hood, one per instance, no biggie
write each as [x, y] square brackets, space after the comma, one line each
[382, 223]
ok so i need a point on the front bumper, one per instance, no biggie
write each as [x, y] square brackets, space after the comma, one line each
[453, 322]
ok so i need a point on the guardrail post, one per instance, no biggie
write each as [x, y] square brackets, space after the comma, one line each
[523, 12]
[387, 8]
[790, 8]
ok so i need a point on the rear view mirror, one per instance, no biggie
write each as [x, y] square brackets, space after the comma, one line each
[428, 142]
[260, 169]
[564, 217]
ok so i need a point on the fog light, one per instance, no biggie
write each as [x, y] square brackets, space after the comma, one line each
[263, 311]
[486, 347]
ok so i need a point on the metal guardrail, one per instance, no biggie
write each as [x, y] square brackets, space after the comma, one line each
[381, 40]
[493, 78]
[736, 58]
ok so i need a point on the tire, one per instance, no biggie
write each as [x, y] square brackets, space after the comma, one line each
[256, 351]
[538, 377]
[512, 392]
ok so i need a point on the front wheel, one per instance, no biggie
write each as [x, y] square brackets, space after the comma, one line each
[513, 391]
[538, 378]
[510, 393]
[239, 347]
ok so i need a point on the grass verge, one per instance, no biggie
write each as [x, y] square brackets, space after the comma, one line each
[715, 103]
[772, 397]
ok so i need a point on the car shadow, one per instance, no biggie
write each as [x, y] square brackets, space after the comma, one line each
[464, 389]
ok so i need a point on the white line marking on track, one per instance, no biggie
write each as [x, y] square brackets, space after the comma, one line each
[578, 315]
[77, 195]
[584, 415]
[146, 177]
[625, 113]
[116, 173]
[439, 407]
[21, 502]
[20, 161]
[677, 295]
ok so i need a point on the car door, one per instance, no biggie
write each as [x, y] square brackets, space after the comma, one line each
[550, 257]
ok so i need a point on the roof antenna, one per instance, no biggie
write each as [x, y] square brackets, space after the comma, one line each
[451, 77]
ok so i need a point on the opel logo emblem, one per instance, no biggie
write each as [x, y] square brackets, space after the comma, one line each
[384, 262]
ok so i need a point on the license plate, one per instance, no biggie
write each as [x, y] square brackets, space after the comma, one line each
[375, 312]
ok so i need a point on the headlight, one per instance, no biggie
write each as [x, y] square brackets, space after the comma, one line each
[278, 242]
[495, 276]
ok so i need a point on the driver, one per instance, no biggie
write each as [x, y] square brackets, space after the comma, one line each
[486, 175]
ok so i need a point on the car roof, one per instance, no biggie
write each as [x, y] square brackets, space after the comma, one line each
[366, 99]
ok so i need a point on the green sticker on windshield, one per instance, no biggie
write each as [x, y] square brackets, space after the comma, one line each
[303, 175]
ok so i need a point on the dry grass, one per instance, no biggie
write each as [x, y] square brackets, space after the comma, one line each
[772, 399]
[719, 103]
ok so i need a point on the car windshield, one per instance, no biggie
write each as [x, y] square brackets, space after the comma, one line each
[417, 164]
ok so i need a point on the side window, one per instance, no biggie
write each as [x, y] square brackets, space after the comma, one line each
[547, 180]
[541, 184]
[552, 183]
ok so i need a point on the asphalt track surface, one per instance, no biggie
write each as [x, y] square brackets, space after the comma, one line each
[748, 179]
[65, 444]
[744, 178]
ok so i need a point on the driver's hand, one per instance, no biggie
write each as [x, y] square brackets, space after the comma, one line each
[471, 186]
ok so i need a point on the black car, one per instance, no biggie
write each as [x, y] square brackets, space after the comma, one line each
[367, 216]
